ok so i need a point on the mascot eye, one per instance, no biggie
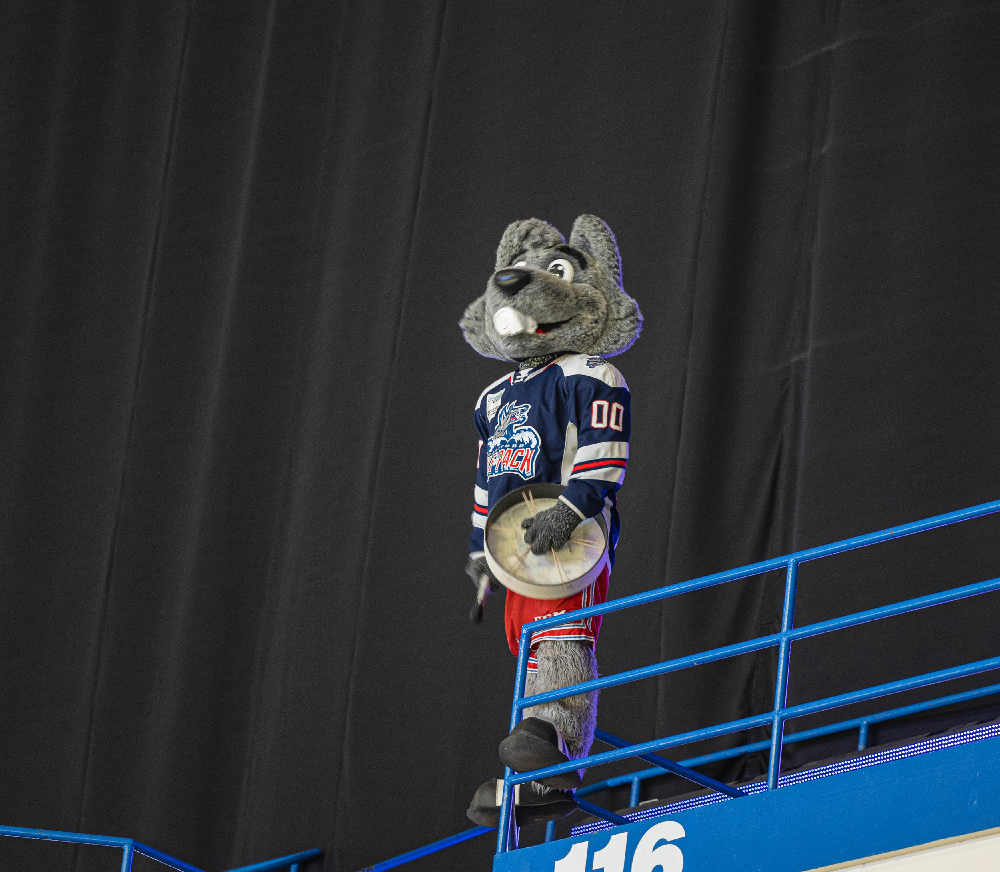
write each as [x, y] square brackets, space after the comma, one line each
[562, 268]
[521, 263]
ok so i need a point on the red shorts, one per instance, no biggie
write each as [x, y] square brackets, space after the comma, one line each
[520, 609]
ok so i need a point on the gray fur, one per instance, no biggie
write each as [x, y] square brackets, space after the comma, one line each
[473, 325]
[592, 313]
[477, 568]
[561, 664]
[592, 235]
[521, 236]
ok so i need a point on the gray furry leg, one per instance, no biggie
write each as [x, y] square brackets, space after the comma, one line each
[561, 664]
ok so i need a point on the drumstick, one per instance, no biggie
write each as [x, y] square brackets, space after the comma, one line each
[482, 591]
[592, 542]
[530, 501]
[559, 566]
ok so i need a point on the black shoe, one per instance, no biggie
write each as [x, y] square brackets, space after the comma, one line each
[535, 744]
[531, 805]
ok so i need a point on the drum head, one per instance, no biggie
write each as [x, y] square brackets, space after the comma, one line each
[544, 576]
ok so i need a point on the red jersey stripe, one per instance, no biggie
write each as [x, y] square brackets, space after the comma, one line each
[596, 464]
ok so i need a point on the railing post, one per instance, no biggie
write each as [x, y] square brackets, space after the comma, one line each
[863, 736]
[781, 685]
[634, 797]
[127, 851]
[508, 824]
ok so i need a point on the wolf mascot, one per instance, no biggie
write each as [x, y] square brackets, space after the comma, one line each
[562, 416]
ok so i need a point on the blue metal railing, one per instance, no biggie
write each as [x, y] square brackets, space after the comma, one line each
[862, 724]
[634, 779]
[130, 848]
[782, 640]
[776, 718]
[432, 848]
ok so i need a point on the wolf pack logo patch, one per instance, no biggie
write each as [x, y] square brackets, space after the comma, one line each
[493, 403]
[514, 446]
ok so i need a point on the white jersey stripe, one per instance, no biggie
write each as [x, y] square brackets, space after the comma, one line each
[482, 496]
[569, 453]
[603, 473]
[601, 450]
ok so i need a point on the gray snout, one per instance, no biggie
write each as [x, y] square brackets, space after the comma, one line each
[510, 281]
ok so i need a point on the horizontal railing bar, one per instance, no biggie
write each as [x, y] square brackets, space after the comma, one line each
[761, 720]
[917, 707]
[147, 851]
[660, 593]
[852, 724]
[801, 736]
[890, 533]
[839, 727]
[432, 848]
[654, 670]
[857, 618]
[928, 678]
[283, 862]
[597, 811]
[644, 748]
[768, 565]
[911, 605]
[671, 766]
[56, 836]
[618, 781]
[165, 859]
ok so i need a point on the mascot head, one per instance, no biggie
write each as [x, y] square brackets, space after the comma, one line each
[547, 297]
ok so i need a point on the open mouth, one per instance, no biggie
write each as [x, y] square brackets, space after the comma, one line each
[546, 328]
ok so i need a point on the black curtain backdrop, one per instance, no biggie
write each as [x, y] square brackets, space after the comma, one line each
[235, 407]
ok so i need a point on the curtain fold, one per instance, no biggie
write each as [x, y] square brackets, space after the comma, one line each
[236, 441]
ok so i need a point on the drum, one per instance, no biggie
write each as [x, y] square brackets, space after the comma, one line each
[542, 576]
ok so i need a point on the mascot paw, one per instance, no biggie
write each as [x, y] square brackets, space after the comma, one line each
[550, 529]
[476, 568]
[535, 744]
[532, 803]
[479, 571]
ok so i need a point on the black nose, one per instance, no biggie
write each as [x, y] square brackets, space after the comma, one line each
[510, 281]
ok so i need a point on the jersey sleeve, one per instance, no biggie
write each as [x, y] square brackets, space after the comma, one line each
[480, 497]
[601, 409]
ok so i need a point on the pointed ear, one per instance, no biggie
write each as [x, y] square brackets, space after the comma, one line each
[473, 324]
[592, 235]
[521, 236]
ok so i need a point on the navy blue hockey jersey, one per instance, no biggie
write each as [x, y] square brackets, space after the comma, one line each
[568, 423]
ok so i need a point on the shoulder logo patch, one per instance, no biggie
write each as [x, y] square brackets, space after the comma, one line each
[493, 403]
[594, 361]
[514, 446]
